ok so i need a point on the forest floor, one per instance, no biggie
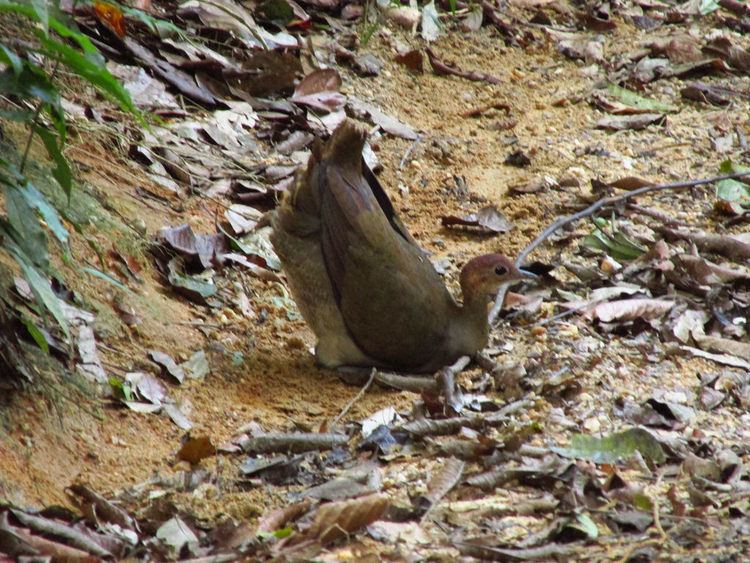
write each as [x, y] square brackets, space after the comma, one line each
[586, 373]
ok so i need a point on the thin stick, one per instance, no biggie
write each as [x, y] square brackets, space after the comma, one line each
[442, 68]
[663, 217]
[593, 208]
[356, 398]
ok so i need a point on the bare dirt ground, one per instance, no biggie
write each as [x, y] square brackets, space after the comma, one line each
[66, 435]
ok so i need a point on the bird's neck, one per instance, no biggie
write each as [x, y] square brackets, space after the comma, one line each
[472, 330]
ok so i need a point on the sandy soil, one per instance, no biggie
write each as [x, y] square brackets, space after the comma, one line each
[51, 441]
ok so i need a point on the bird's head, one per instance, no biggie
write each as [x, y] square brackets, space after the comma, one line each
[484, 275]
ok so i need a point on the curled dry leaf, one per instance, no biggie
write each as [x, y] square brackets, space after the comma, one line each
[726, 245]
[488, 219]
[441, 483]
[706, 272]
[195, 449]
[200, 250]
[631, 309]
[167, 364]
[98, 509]
[630, 183]
[709, 93]
[320, 90]
[632, 122]
[280, 517]
[365, 110]
[403, 16]
[335, 520]
[413, 60]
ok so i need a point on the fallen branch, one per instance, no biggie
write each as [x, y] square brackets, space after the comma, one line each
[663, 217]
[593, 208]
[474, 112]
[443, 68]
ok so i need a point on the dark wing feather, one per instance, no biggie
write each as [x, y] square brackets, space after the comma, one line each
[393, 302]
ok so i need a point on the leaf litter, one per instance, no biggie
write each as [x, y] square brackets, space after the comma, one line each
[686, 291]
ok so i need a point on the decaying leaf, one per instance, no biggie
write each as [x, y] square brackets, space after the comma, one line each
[335, 520]
[195, 449]
[167, 364]
[632, 309]
[488, 219]
[632, 122]
[615, 447]
[320, 90]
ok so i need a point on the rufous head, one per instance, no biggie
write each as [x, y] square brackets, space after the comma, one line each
[485, 274]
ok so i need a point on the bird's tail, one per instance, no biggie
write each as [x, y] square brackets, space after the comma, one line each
[299, 210]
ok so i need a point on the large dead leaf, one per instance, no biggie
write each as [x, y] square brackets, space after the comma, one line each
[320, 90]
[632, 309]
[336, 520]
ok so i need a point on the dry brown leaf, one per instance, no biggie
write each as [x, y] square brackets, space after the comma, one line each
[632, 122]
[338, 519]
[196, 449]
[706, 272]
[280, 517]
[631, 309]
[630, 183]
[447, 478]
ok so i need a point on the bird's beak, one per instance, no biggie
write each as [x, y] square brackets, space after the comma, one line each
[526, 274]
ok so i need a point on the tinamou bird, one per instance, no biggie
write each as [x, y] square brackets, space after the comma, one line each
[363, 285]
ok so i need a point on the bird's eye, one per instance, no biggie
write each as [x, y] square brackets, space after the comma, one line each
[501, 270]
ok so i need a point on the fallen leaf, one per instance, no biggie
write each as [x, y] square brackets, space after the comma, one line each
[615, 447]
[335, 520]
[195, 449]
[488, 219]
[167, 364]
[631, 122]
[320, 90]
[631, 309]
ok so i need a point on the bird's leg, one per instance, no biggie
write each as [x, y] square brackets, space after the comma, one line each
[446, 380]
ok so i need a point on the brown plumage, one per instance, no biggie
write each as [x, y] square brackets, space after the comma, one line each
[361, 282]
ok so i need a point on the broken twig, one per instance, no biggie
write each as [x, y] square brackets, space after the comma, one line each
[443, 68]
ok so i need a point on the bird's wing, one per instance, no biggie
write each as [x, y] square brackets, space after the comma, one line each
[393, 302]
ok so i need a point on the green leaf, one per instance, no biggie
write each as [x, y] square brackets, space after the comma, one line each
[55, 23]
[92, 69]
[22, 116]
[277, 534]
[583, 524]
[31, 82]
[729, 167]
[38, 201]
[37, 335]
[25, 230]
[633, 100]
[61, 172]
[277, 11]
[106, 277]
[731, 190]
[162, 28]
[121, 389]
[43, 293]
[708, 6]
[42, 14]
[617, 245]
[10, 58]
[615, 447]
